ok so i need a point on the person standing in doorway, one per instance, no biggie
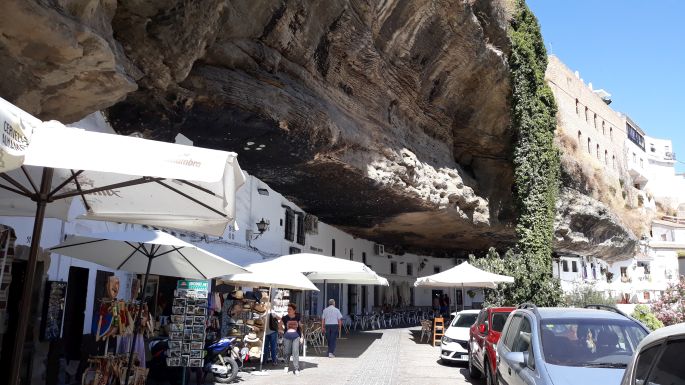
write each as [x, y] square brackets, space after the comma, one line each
[443, 305]
[331, 321]
[292, 338]
[271, 340]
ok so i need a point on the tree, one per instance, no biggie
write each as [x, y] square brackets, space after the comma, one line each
[584, 294]
[644, 315]
[670, 308]
[541, 289]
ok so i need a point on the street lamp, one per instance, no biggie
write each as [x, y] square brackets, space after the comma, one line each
[262, 226]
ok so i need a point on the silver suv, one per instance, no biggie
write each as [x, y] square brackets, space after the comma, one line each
[564, 346]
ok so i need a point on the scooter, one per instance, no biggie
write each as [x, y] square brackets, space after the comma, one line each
[219, 362]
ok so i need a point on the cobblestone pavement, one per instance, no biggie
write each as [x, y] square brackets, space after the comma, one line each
[378, 357]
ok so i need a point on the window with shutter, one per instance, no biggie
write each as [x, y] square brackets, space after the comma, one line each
[289, 229]
[300, 229]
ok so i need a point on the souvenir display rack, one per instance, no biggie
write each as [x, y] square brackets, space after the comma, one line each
[187, 328]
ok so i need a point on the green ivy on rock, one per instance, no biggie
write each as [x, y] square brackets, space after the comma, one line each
[536, 172]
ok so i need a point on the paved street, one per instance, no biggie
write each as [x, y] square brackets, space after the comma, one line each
[378, 357]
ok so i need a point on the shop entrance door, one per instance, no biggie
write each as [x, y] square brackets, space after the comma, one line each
[74, 312]
[352, 299]
[364, 298]
[333, 291]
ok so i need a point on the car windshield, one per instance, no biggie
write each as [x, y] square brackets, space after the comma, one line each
[464, 320]
[590, 342]
[498, 320]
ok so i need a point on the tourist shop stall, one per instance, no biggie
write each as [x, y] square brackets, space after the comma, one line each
[117, 178]
[151, 252]
[274, 284]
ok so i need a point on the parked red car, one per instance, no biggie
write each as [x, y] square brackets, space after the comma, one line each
[483, 337]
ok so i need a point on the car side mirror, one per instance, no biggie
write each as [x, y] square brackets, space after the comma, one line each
[515, 358]
[483, 328]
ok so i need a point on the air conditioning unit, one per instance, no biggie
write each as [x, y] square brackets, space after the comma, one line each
[378, 249]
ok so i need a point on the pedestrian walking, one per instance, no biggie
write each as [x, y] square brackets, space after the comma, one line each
[436, 302]
[292, 338]
[331, 322]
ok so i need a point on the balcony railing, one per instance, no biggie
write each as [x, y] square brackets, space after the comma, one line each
[668, 218]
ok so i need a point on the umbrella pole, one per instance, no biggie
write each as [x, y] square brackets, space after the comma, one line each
[20, 336]
[136, 323]
[463, 298]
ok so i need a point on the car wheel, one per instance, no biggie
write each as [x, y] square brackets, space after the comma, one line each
[489, 378]
[473, 372]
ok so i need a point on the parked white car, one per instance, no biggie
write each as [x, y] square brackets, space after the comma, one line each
[454, 344]
[659, 358]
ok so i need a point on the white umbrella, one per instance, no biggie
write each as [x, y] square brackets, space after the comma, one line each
[463, 275]
[107, 171]
[146, 252]
[320, 268]
[266, 274]
[118, 178]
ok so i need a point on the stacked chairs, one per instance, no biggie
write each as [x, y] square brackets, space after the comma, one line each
[438, 329]
[356, 321]
[386, 318]
[347, 324]
[314, 335]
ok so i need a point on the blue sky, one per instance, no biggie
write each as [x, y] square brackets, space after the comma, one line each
[633, 49]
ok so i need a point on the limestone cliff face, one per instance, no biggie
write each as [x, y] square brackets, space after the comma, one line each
[61, 61]
[387, 118]
[586, 226]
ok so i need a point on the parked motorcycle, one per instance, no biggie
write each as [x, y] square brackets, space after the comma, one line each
[159, 372]
[219, 362]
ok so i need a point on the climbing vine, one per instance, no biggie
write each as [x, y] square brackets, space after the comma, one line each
[536, 169]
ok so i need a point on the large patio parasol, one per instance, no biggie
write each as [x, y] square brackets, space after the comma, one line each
[463, 275]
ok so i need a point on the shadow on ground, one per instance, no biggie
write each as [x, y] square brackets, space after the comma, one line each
[416, 337]
[271, 370]
[350, 345]
[463, 370]
[465, 373]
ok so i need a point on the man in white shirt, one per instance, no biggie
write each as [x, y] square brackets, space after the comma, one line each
[331, 321]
